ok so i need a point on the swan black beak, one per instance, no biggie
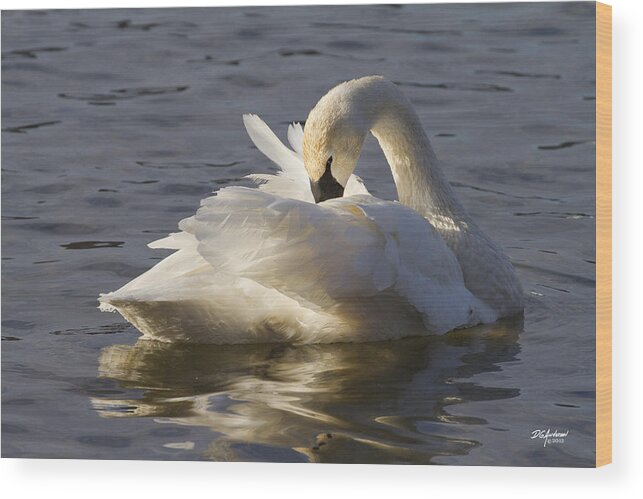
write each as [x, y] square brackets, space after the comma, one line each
[327, 187]
[323, 191]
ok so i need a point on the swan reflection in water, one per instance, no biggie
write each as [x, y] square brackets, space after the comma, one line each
[384, 402]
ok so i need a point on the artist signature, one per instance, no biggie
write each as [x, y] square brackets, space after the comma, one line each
[550, 437]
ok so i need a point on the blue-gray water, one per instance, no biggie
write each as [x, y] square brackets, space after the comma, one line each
[117, 122]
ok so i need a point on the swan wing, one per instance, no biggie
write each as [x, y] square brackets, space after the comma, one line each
[291, 245]
[429, 274]
[346, 250]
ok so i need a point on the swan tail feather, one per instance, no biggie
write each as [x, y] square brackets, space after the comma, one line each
[296, 138]
[270, 145]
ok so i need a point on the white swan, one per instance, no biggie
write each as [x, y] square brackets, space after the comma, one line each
[267, 264]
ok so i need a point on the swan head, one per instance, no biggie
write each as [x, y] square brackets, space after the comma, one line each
[333, 138]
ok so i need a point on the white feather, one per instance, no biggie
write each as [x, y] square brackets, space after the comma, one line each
[296, 138]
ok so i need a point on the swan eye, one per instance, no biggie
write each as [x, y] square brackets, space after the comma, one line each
[329, 162]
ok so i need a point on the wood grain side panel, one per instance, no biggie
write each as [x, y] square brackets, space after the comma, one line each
[603, 234]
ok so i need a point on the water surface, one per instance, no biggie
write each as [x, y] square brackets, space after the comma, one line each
[117, 122]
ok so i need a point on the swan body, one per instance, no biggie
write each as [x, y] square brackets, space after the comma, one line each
[268, 264]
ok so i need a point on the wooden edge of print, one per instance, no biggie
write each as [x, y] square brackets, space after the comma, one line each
[603, 234]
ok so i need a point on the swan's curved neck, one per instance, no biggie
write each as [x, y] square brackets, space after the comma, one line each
[420, 182]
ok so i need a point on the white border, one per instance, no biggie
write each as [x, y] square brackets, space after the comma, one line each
[114, 479]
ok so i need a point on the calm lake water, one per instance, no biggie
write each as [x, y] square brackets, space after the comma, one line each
[117, 122]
